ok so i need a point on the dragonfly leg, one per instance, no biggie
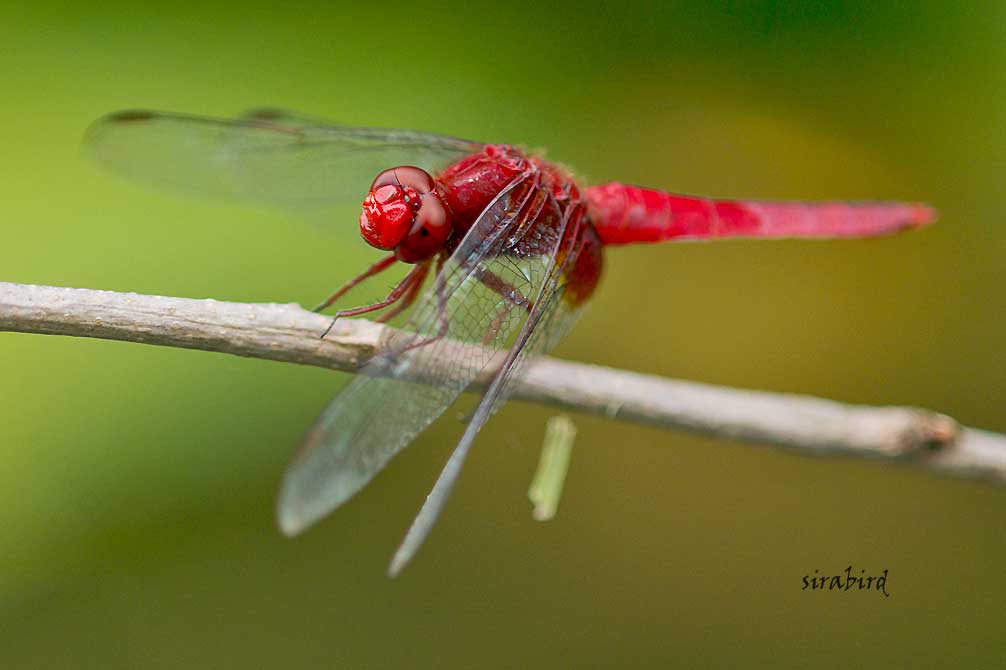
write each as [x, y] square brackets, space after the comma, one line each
[409, 297]
[507, 291]
[441, 296]
[512, 297]
[502, 314]
[438, 285]
[394, 296]
[374, 269]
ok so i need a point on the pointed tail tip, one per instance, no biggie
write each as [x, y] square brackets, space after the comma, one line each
[922, 215]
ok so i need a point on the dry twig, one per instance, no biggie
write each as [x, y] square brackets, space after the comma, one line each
[289, 333]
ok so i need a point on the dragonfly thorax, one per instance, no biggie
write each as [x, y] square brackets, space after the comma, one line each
[404, 212]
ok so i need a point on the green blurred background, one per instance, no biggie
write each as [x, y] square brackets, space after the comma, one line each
[137, 483]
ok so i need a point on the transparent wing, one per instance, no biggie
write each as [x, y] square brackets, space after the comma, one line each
[287, 117]
[270, 157]
[548, 320]
[455, 332]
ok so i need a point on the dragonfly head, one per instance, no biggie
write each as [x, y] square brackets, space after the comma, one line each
[404, 212]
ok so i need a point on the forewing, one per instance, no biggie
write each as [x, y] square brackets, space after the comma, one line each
[270, 157]
[549, 319]
[455, 332]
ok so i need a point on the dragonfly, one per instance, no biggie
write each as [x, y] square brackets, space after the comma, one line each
[508, 246]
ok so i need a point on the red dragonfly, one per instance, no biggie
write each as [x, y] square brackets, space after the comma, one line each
[511, 244]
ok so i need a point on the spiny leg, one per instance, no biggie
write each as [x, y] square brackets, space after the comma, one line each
[502, 314]
[438, 287]
[394, 296]
[510, 293]
[441, 297]
[512, 297]
[505, 289]
[409, 298]
[374, 269]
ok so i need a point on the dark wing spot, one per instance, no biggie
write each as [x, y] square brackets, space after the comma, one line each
[423, 231]
[132, 115]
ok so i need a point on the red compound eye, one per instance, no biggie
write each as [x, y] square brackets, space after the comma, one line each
[428, 233]
[388, 214]
[404, 212]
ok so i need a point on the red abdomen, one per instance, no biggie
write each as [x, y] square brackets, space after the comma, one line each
[623, 214]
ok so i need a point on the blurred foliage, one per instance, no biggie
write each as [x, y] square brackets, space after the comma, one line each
[137, 483]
